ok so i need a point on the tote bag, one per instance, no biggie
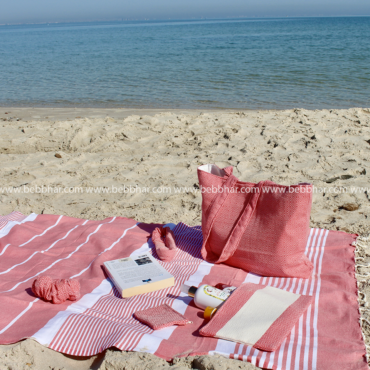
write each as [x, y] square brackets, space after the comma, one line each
[260, 228]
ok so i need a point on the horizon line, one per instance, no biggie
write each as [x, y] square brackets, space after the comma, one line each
[182, 19]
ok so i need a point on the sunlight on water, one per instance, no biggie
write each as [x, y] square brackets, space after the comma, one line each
[259, 63]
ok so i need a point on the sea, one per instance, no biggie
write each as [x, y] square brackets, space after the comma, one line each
[268, 63]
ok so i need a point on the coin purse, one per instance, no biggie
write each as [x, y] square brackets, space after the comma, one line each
[161, 317]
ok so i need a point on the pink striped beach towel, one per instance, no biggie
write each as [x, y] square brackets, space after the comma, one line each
[327, 335]
[14, 216]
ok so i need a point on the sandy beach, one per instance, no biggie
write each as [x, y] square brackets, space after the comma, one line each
[141, 164]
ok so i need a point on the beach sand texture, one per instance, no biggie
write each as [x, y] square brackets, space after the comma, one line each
[64, 148]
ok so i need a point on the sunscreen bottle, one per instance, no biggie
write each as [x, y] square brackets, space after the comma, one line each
[206, 295]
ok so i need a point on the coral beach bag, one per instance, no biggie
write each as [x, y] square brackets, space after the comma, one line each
[261, 228]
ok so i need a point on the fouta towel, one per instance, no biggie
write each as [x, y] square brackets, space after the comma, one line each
[327, 335]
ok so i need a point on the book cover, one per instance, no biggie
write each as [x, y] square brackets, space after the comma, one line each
[138, 275]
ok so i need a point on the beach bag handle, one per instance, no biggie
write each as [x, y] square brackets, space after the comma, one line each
[242, 223]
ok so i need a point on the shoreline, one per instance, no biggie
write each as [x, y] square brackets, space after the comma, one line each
[61, 113]
[37, 114]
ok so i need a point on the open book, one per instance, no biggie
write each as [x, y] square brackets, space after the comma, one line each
[138, 275]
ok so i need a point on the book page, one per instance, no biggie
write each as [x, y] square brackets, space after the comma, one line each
[140, 268]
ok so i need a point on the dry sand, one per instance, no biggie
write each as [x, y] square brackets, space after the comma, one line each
[66, 148]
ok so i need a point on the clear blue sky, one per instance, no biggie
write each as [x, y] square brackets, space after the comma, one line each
[29, 11]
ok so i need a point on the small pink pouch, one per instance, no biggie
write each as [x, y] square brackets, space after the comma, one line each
[161, 317]
[257, 315]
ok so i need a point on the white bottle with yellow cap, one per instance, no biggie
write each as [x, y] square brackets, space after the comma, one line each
[206, 295]
[209, 312]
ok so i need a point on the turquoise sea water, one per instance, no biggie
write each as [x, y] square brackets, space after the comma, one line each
[244, 63]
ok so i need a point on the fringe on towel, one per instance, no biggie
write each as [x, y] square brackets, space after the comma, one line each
[362, 271]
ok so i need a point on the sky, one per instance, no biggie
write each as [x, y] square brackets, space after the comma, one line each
[41, 11]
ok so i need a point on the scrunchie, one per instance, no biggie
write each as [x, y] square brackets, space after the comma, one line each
[58, 290]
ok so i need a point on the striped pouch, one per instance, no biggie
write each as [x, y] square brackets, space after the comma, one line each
[161, 317]
[257, 315]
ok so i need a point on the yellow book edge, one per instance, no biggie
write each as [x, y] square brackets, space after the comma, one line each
[148, 287]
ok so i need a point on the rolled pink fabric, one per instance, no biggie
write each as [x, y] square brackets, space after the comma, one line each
[57, 291]
[165, 245]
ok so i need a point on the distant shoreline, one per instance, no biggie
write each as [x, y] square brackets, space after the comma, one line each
[41, 114]
[48, 114]
[121, 112]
